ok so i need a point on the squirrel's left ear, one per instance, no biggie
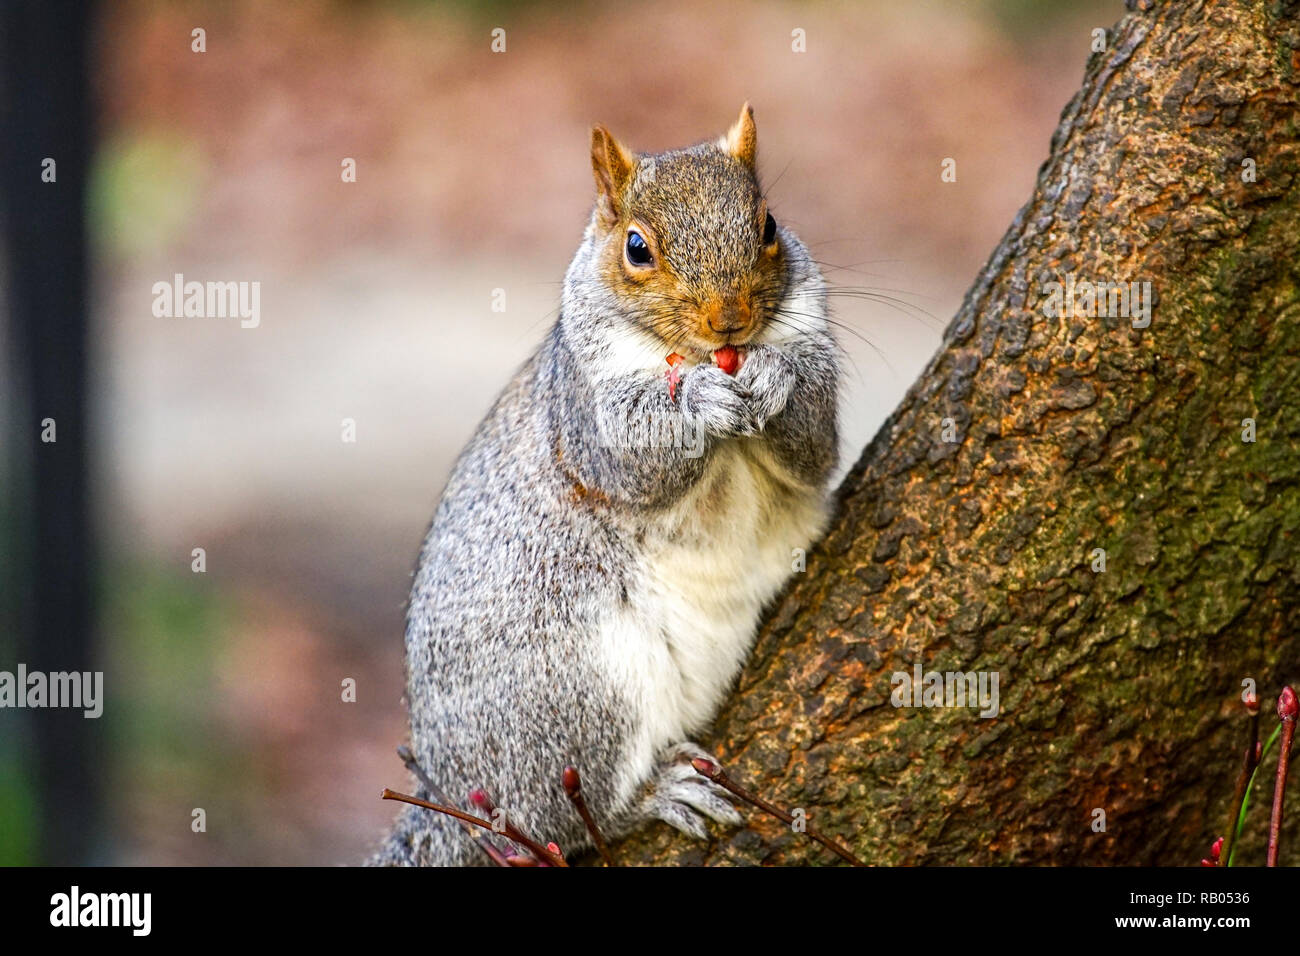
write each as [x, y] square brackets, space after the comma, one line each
[741, 140]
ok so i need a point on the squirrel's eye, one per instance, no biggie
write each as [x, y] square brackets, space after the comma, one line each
[638, 253]
[769, 230]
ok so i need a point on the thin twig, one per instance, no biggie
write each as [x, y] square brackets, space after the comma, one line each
[1261, 754]
[1287, 710]
[540, 851]
[1249, 761]
[573, 789]
[481, 841]
[719, 776]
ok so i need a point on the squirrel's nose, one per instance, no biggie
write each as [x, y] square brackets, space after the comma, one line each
[731, 317]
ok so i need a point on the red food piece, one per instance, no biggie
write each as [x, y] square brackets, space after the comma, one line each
[727, 359]
[673, 375]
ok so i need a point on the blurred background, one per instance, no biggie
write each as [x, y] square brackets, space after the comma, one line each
[224, 688]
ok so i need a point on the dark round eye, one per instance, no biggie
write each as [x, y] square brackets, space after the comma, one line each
[638, 253]
[769, 230]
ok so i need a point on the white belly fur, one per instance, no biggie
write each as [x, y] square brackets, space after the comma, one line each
[716, 559]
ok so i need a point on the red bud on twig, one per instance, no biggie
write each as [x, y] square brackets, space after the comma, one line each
[1288, 707]
[573, 790]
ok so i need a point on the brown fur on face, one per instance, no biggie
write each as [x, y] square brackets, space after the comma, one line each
[711, 281]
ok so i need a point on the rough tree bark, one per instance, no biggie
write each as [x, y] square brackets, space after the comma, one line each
[1119, 689]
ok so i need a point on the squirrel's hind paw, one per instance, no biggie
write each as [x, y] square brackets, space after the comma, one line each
[680, 795]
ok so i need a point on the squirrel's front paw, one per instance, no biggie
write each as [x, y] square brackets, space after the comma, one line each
[769, 377]
[719, 402]
[681, 794]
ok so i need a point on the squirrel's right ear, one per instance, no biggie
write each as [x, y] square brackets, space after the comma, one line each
[613, 166]
[741, 140]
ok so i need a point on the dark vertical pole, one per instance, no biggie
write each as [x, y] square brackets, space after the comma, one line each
[45, 99]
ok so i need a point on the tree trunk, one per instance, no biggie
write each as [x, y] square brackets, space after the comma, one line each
[1119, 688]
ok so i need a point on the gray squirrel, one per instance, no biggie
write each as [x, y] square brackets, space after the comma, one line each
[594, 575]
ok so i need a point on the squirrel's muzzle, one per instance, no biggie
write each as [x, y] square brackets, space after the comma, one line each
[726, 317]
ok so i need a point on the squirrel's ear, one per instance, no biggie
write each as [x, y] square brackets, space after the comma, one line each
[741, 140]
[613, 166]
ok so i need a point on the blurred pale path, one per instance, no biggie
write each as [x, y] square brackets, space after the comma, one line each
[376, 305]
[205, 411]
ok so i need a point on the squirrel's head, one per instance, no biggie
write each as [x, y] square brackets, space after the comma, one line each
[684, 239]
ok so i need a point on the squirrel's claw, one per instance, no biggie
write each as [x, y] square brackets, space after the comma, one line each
[681, 795]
